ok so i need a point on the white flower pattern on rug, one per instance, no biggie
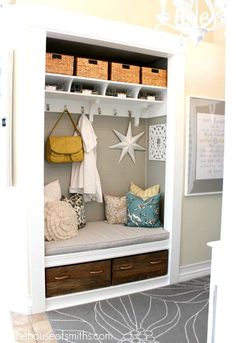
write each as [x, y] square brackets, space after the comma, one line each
[172, 314]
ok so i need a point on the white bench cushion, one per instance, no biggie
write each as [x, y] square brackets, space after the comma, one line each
[101, 235]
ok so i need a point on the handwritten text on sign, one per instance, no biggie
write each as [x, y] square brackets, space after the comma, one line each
[210, 146]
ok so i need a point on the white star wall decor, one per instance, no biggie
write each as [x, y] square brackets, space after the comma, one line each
[128, 143]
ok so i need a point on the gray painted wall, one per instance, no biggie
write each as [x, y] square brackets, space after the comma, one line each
[201, 214]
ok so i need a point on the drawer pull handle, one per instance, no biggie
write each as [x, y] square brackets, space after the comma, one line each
[155, 262]
[126, 267]
[63, 277]
[96, 271]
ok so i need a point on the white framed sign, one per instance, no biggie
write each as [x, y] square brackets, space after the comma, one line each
[204, 146]
[6, 69]
[210, 146]
[157, 142]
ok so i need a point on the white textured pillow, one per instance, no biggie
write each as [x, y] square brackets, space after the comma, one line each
[52, 191]
[60, 221]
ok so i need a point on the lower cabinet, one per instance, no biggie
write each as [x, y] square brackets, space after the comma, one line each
[92, 275]
[139, 267]
[77, 277]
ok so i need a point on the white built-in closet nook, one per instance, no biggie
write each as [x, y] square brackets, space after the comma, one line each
[116, 42]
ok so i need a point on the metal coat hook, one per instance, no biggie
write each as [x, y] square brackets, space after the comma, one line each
[130, 114]
[99, 110]
[92, 110]
[115, 112]
[47, 107]
[82, 109]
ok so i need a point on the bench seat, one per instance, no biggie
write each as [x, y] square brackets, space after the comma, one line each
[101, 235]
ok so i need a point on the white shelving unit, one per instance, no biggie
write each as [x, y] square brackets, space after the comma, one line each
[101, 102]
[102, 99]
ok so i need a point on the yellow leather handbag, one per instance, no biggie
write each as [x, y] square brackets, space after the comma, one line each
[64, 149]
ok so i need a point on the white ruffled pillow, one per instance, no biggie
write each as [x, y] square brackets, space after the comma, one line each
[52, 191]
[60, 221]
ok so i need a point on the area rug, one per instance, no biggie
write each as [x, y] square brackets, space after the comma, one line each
[171, 314]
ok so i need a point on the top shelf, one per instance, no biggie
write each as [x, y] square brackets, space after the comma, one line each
[148, 101]
[65, 83]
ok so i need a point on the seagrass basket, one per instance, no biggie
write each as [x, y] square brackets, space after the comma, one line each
[92, 68]
[59, 64]
[153, 77]
[124, 72]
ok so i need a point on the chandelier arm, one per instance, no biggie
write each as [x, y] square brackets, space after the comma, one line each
[197, 9]
[214, 16]
[189, 11]
[213, 19]
[210, 6]
[191, 5]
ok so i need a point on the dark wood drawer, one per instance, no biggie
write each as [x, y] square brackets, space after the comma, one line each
[139, 267]
[77, 277]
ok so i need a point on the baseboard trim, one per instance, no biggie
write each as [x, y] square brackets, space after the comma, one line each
[22, 307]
[194, 270]
[30, 305]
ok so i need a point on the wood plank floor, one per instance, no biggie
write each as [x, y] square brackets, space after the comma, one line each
[32, 329]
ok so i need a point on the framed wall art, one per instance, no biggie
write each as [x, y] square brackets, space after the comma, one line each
[204, 146]
[157, 142]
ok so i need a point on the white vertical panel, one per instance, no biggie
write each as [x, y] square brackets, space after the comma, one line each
[175, 159]
[6, 60]
[35, 124]
[222, 319]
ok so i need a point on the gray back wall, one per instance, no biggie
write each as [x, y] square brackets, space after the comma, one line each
[115, 178]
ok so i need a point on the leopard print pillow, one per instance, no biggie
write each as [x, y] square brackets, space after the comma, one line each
[77, 202]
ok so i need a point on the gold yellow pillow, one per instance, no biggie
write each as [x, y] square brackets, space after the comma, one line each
[144, 193]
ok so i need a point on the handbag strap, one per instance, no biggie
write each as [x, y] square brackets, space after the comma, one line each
[72, 121]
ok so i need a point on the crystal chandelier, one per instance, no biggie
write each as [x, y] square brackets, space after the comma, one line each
[193, 18]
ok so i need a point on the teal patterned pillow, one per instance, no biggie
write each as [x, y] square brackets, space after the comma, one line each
[144, 213]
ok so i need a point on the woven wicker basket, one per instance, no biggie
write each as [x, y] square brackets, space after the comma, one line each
[153, 76]
[59, 64]
[124, 73]
[91, 68]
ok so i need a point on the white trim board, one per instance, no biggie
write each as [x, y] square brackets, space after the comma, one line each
[99, 294]
[22, 307]
[101, 254]
[195, 270]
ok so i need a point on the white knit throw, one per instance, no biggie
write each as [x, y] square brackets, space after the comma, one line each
[60, 221]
